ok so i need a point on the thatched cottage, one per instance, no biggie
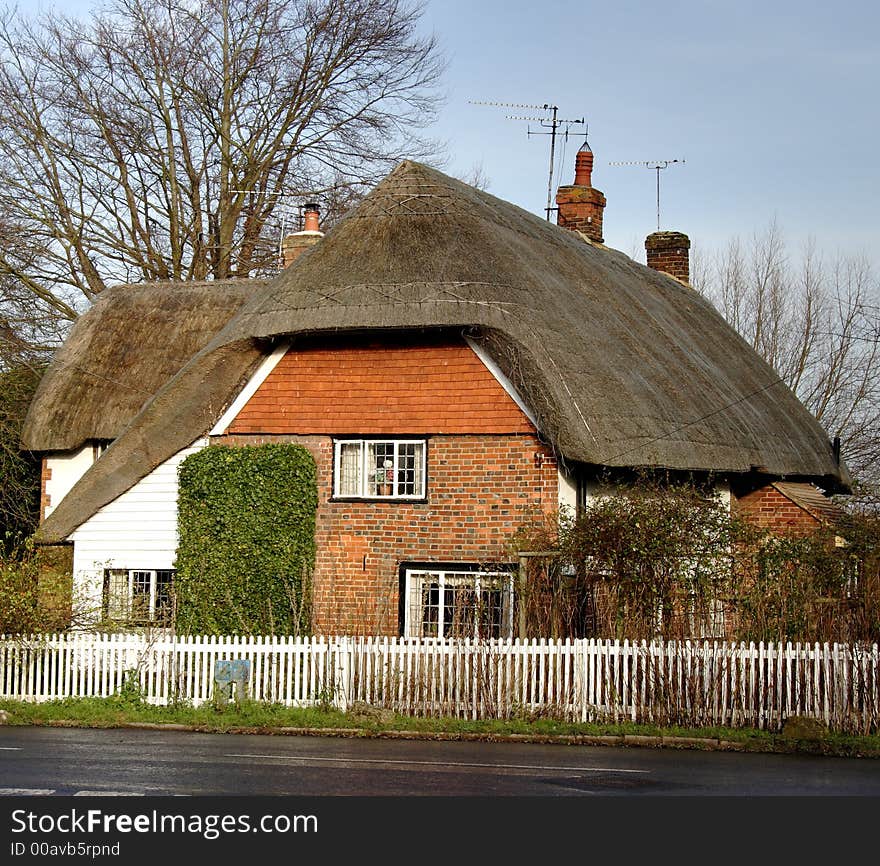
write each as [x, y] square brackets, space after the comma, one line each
[477, 360]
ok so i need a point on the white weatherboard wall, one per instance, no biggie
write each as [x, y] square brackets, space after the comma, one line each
[593, 491]
[136, 530]
[568, 492]
[67, 468]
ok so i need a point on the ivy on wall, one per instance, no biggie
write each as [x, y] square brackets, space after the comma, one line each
[247, 540]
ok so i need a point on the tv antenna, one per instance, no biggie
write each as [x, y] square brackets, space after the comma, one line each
[656, 165]
[551, 123]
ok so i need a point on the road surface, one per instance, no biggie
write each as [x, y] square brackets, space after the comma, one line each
[79, 761]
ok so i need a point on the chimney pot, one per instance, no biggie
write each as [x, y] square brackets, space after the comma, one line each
[580, 207]
[583, 168]
[311, 218]
[296, 244]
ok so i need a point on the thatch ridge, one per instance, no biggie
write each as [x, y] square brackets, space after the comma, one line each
[120, 352]
[623, 366]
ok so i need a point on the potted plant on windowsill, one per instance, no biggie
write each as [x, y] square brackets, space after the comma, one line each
[385, 479]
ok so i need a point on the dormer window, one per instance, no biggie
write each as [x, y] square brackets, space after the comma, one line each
[379, 469]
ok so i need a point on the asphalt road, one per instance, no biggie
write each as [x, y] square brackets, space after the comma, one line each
[71, 761]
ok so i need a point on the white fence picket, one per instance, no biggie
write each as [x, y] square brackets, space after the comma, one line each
[713, 683]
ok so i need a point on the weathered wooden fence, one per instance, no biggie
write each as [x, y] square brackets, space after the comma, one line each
[694, 683]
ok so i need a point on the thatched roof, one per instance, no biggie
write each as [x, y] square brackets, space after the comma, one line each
[622, 365]
[119, 353]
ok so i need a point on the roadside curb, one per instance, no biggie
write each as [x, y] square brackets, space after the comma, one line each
[706, 744]
[709, 744]
[465, 736]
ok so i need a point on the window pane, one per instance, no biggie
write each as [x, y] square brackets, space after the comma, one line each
[163, 610]
[409, 468]
[349, 469]
[457, 604]
[116, 581]
[490, 609]
[380, 469]
[430, 607]
[419, 471]
[140, 594]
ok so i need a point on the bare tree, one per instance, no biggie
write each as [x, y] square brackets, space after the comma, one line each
[816, 322]
[20, 371]
[158, 138]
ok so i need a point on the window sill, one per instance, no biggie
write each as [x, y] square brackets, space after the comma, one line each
[392, 500]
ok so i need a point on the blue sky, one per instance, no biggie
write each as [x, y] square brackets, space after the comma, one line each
[773, 106]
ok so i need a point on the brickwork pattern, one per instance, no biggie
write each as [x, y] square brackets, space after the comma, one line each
[768, 509]
[480, 489]
[294, 246]
[669, 252]
[45, 498]
[580, 208]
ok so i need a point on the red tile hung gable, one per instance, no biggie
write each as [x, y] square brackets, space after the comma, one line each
[391, 390]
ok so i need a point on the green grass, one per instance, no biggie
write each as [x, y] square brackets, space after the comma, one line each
[263, 717]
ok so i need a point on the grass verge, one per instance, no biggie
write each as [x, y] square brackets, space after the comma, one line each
[258, 717]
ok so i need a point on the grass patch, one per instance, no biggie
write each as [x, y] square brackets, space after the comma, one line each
[257, 716]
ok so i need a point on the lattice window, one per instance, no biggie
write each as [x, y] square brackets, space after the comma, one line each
[379, 468]
[450, 604]
[138, 595]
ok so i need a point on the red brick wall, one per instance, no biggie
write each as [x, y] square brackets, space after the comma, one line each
[581, 208]
[381, 390]
[45, 499]
[479, 490]
[483, 477]
[669, 252]
[767, 508]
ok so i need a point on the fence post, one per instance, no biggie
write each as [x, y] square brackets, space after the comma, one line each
[342, 650]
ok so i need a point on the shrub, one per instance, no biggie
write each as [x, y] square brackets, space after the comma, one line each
[19, 588]
[671, 561]
[247, 546]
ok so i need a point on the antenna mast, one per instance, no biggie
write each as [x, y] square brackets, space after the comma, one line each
[552, 123]
[656, 165]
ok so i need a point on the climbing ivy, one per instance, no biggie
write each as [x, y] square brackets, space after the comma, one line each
[247, 540]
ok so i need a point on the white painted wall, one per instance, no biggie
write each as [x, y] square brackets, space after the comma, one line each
[568, 492]
[67, 469]
[593, 491]
[136, 530]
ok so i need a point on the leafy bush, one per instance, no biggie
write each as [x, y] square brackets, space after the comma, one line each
[247, 540]
[19, 587]
[35, 586]
[672, 561]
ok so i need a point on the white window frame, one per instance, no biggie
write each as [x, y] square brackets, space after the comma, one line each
[414, 613]
[121, 609]
[364, 474]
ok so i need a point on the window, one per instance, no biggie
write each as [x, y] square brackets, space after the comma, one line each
[379, 469]
[459, 604]
[138, 595]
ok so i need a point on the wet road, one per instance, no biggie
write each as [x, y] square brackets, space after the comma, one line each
[68, 761]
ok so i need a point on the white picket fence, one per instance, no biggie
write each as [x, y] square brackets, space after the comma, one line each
[704, 683]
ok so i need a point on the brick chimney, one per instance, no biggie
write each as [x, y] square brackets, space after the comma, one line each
[580, 206]
[668, 252]
[293, 246]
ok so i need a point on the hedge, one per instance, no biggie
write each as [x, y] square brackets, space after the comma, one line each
[247, 540]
